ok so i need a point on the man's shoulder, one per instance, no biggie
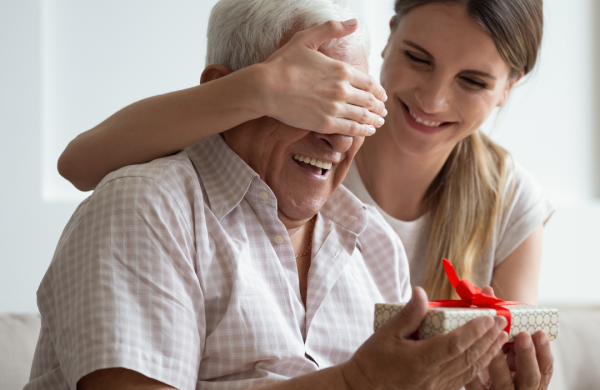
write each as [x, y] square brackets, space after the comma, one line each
[173, 177]
[167, 171]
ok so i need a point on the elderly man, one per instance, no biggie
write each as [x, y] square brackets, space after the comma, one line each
[237, 264]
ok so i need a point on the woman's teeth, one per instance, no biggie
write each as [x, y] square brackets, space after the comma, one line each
[312, 161]
[423, 122]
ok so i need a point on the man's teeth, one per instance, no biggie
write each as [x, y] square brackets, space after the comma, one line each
[312, 161]
[423, 122]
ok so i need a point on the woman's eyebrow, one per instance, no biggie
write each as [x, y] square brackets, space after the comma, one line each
[480, 73]
[419, 48]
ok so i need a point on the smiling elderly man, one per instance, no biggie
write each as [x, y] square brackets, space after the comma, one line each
[237, 264]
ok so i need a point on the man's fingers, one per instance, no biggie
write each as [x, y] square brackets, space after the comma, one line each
[528, 373]
[450, 347]
[470, 360]
[407, 322]
[500, 373]
[475, 384]
[315, 37]
[544, 358]
[470, 375]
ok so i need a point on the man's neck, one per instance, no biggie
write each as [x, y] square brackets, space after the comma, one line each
[397, 181]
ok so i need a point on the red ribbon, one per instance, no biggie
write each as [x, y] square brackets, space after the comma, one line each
[471, 296]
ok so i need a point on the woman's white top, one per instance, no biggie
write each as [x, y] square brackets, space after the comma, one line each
[527, 210]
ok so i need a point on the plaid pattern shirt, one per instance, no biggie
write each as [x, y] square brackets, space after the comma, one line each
[180, 269]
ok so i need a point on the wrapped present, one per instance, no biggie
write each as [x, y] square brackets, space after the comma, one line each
[446, 315]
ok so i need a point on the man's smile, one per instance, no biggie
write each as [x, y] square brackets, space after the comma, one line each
[314, 166]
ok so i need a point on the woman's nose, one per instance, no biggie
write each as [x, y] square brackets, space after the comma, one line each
[434, 96]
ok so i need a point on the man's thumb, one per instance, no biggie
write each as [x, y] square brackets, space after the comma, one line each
[410, 317]
[333, 29]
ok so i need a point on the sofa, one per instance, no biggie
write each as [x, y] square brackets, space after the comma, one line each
[576, 351]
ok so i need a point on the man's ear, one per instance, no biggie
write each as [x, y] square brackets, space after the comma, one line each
[213, 72]
[509, 87]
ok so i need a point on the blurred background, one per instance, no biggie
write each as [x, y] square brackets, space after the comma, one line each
[68, 64]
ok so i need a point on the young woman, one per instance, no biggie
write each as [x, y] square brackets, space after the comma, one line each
[445, 188]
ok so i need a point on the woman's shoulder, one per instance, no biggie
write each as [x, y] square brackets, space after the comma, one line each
[525, 208]
[521, 187]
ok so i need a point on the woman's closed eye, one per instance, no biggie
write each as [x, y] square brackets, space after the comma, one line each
[474, 83]
[413, 58]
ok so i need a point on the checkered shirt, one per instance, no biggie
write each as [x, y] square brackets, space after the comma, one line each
[180, 269]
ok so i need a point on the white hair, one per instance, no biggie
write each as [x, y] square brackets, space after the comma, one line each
[246, 32]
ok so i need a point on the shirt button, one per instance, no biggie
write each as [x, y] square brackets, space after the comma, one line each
[264, 195]
[278, 239]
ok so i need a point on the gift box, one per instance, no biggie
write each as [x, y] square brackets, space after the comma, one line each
[524, 318]
[446, 315]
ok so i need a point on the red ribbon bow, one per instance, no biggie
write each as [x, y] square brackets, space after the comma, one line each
[471, 296]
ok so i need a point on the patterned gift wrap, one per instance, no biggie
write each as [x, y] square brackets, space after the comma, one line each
[524, 318]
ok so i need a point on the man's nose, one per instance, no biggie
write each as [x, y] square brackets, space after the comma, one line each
[434, 96]
[339, 143]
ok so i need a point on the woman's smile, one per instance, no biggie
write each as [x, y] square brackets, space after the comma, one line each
[419, 122]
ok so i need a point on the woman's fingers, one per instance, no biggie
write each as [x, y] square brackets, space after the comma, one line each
[348, 127]
[367, 100]
[528, 372]
[315, 37]
[544, 358]
[361, 115]
[367, 83]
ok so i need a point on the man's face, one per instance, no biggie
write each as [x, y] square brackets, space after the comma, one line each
[273, 150]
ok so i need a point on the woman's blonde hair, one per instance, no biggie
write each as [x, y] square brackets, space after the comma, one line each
[468, 194]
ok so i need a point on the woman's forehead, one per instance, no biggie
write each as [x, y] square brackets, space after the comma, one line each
[450, 35]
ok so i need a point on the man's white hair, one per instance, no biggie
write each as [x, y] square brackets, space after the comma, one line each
[246, 32]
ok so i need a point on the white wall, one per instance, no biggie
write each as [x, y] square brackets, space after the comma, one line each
[66, 65]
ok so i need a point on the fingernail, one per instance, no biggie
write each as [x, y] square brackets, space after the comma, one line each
[544, 340]
[351, 22]
[504, 338]
[500, 322]
[385, 112]
[372, 130]
[385, 98]
[527, 342]
[381, 121]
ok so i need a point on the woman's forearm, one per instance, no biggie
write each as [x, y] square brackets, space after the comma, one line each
[161, 125]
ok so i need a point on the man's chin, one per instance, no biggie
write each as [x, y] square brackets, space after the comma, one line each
[299, 212]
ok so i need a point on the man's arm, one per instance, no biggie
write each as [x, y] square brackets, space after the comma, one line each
[119, 378]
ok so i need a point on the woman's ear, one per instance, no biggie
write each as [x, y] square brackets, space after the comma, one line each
[213, 72]
[509, 87]
[392, 24]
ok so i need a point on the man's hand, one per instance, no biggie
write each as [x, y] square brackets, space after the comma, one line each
[392, 359]
[306, 89]
[528, 366]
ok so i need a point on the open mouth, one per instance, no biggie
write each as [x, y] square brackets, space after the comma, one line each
[317, 167]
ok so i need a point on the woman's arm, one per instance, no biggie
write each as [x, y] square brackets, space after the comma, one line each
[297, 85]
[517, 277]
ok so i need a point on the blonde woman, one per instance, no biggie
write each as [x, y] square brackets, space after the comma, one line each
[443, 186]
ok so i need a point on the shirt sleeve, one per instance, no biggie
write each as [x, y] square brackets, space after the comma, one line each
[122, 290]
[527, 209]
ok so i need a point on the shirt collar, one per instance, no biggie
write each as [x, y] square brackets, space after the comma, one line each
[226, 179]
[225, 176]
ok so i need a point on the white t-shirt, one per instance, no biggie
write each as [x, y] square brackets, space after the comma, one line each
[528, 209]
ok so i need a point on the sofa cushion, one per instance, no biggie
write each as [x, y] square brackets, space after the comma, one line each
[18, 337]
